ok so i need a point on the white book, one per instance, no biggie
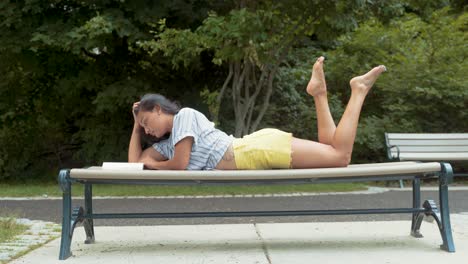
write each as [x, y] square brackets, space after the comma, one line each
[122, 166]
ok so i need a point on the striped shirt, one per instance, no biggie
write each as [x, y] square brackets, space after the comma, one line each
[209, 143]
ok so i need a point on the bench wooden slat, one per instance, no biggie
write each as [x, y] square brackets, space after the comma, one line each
[433, 156]
[421, 136]
[427, 142]
[361, 170]
[432, 149]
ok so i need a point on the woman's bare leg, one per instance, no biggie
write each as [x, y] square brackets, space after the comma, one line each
[317, 87]
[310, 154]
[345, 133]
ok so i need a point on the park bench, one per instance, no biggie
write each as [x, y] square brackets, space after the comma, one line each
[448, 147]
[414, 171]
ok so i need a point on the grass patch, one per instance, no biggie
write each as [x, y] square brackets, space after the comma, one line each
[53, 190]
[9, 229]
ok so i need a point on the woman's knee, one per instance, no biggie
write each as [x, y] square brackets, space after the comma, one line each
[343, 159]
[339, 158]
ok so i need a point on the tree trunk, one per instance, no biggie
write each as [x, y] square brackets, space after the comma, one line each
[244, 75]
[221, 93]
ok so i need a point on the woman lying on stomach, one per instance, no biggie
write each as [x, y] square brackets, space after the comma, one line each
[186, 139]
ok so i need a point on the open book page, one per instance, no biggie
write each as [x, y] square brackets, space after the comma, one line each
[122, 166]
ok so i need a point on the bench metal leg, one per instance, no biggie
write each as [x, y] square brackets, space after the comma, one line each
[67, 231]
[417, 217]
[445, 178]
[69, 218]
[442, 217]
[433, 211]
[88, 222]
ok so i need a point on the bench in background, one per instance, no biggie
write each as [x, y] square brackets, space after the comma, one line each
[448, 147]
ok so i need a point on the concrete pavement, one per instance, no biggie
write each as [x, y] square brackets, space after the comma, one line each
[337, 242]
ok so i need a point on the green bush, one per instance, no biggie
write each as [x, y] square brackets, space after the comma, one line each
[425, 87]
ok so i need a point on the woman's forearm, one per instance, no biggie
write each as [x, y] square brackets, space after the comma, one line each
[163, 165]
[135, 155]
[134, 148]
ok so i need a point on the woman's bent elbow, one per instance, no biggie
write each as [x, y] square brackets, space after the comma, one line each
[182, 165]
[133, 159]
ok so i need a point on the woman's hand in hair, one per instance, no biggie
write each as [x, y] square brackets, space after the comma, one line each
[135, 108]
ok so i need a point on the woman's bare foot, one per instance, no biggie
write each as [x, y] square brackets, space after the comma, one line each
[364, 82]
[317, 85]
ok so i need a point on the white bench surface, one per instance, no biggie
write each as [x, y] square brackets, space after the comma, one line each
[427, 146]
[357, 170]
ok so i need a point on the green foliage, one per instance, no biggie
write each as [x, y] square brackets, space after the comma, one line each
[425, 88]
[291, 100]
[184, 45]
[238, 35]
[209, 98]
[260, 33]
[253, 42]
[70, 70]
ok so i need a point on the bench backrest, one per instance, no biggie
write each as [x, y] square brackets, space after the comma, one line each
[427, 147]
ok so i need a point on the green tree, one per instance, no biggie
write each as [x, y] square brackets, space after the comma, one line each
[425, 88]
[70, 71]
[253, 42]
[291, 108]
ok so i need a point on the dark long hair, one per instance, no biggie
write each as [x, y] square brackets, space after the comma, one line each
[147, 104]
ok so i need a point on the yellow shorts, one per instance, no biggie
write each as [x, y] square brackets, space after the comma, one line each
[264, 149]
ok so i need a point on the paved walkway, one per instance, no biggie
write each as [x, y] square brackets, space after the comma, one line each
[338, 242]
[38, 232]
